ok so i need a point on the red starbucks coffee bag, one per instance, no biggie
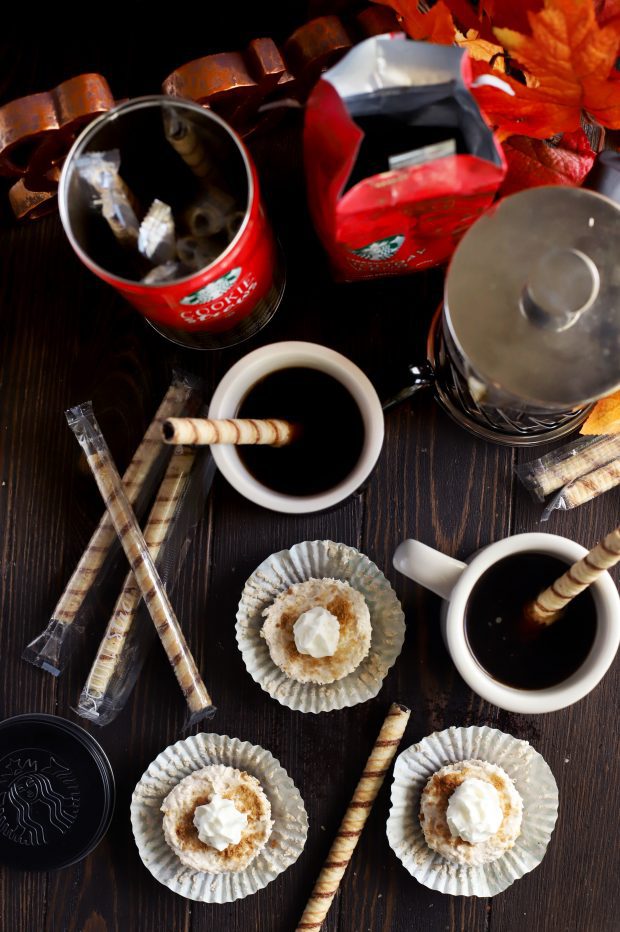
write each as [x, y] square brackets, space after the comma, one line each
[399, 160]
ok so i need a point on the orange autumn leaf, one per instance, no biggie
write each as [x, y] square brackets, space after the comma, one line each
[435, 26]
[604, 417]
[571, 58]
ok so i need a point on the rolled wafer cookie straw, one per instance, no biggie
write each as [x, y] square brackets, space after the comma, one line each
[591, 485]
[51, 649]
[355, 818]
[562, 466]
[183, 137]
[119, 627]
[85, 427]
[211, 213]
[547, 608]
[199, 431]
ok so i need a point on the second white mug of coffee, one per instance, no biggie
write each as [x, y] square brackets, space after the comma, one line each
[258, 365]
[454, 582]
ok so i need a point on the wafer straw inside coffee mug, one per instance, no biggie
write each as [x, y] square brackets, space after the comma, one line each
[455, 581]
[275, 360]
[229, 284]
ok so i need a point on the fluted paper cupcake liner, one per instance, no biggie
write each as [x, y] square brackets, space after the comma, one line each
[320, 559]
[533, 779]
[285, 843]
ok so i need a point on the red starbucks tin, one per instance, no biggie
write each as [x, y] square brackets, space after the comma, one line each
[224, 301]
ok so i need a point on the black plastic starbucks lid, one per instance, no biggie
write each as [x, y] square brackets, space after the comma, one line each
[56, 792]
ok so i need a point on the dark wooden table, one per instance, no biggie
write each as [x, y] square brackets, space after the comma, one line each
[66, 337]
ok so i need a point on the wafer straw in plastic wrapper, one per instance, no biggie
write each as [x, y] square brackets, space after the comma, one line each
[561, 466]
[83, 423]
[585, 488]
[118, 205]
[178, 509]
[51, 649]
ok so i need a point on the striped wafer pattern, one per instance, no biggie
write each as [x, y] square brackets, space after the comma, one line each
[155, 533]
[104, 536]
[183, 137]
[355, 818]
[200, 431]
[84, 425]
[594, 483]
[580, 575]
[549, 476]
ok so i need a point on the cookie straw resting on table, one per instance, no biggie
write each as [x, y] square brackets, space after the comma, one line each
[575, 459]
[355, 818]
[585, 489]
[85, 427]
[52, 648]
[113, 649]
[547, 608]
[198, 431]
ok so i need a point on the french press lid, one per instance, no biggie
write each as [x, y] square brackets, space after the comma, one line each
[533, 297]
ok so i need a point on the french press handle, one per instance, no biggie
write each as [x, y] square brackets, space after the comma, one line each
[413, 380]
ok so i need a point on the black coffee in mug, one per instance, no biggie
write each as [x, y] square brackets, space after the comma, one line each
[331, 437]
[504, 642]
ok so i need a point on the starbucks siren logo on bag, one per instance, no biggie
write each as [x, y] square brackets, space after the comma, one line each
[381, 248]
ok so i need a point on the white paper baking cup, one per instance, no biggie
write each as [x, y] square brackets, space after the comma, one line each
[320, 559]
[533, 779]
[285, 843]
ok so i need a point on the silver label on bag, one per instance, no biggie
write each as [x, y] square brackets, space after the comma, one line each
[438, 150]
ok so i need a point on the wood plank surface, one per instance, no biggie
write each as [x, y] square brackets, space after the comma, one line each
[66, 337]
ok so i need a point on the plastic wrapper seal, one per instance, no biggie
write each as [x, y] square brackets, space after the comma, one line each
[549, 473]
[384, 199]
[52, 648]
[118, 205]
[83, 423]
[178, 509]
[156, 238]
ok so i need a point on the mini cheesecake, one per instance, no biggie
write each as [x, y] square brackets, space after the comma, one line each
[434, 808]
[198, 789]
[341, 600]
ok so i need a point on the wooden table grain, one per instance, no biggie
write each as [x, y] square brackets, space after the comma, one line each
[66, 337]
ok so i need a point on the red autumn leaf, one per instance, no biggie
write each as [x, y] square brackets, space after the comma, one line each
[535, 162]
[435, 26]
[607, 10]
[510, 13]
[570, 59]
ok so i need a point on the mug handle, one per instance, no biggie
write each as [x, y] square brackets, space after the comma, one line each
[428, 567]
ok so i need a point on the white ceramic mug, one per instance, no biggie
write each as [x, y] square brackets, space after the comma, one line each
[247, 372]
[453, 581]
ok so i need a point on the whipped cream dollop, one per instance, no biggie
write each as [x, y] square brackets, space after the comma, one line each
[317, 633]
[219, 823]
[474, 811]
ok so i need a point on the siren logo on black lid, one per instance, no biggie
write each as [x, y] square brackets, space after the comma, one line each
[39, 798]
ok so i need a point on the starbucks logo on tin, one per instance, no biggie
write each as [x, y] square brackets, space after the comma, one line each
[39, 798]
[381, 248]
[213, 290]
